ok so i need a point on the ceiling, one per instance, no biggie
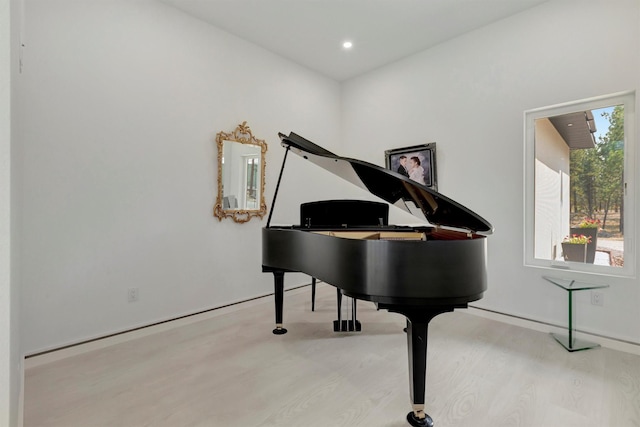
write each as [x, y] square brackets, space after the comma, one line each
[311, 32]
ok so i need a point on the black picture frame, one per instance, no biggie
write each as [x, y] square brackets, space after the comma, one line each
[426, 155]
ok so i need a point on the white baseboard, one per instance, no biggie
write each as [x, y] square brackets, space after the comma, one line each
[117, 338]
[612, 343]
[143, 331]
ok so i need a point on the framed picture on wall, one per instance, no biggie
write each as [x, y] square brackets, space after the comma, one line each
[417, 162]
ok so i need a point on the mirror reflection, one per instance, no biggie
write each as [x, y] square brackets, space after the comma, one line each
[240, 184]
[240, 175]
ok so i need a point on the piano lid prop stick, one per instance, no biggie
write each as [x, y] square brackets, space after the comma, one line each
[275, 194]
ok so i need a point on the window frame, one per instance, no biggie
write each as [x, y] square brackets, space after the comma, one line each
[628, 99]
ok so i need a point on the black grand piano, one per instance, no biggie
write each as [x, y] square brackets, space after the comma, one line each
[417, 271]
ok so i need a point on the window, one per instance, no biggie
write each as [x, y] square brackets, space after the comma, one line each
[579, 171]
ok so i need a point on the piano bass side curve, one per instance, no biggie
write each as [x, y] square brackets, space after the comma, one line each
[419, 272]
[408, 266]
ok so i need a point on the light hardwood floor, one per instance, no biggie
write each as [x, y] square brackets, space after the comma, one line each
[230, 370]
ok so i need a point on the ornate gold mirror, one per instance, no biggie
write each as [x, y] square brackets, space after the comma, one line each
[241, 170]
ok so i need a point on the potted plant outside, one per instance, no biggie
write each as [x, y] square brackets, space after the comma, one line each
[574, 247]
[588, 227]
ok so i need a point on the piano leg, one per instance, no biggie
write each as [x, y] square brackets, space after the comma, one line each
[313, 294]
[418, 319]
[337, 324]
[417, 350]
[278, 284]
[339, 303]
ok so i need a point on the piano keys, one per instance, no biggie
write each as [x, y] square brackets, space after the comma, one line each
[417, 271]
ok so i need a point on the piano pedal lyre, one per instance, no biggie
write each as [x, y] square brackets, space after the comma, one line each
[347, 325]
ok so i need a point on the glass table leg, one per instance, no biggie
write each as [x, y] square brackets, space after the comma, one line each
[569, 341]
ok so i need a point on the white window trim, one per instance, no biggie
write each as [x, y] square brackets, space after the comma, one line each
[629, 100]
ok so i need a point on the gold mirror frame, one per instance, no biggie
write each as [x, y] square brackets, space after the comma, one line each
[243, 135]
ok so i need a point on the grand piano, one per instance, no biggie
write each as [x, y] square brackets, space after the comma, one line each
[417, 271]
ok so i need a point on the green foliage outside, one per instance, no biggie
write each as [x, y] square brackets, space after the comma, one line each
[597, 182]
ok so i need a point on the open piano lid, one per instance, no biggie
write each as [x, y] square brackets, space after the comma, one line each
[392, 187]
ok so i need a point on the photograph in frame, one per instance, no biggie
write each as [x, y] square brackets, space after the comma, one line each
[417, 162]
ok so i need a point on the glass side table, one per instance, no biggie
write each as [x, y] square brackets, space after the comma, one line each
[569, 341]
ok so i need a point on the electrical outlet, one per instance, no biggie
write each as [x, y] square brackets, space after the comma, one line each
[132, 295]
[597, 298]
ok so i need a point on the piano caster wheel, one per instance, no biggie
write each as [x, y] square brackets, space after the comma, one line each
[419, 422]
[279, 331]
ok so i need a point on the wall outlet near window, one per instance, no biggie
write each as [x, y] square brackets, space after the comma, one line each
[597, 298]
[132, 294]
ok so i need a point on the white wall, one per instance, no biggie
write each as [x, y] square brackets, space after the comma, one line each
[469, 95]
[120, 105]
[10, 350]
[120, 102]
[5, 213]
[17, 353]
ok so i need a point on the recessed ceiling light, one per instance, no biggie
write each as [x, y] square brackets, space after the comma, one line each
[347, 44]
